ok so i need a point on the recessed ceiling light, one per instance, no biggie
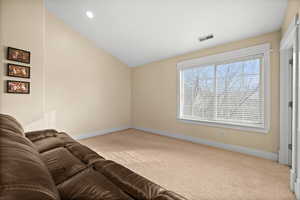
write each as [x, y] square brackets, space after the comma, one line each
[89, 14]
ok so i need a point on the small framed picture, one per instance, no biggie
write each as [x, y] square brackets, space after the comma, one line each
[18, 87]
[18, 55]
[19, 71]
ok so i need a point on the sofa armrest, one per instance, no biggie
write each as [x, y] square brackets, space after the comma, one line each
[169, 195]
[37, 135]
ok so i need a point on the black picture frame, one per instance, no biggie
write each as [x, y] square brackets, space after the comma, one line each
[10, 65]
[8, 89]
[21, 55]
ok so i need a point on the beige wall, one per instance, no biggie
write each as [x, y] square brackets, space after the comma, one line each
[154, 99]
[292, 10]
[22, 25]
[87, 89]
[75, 87]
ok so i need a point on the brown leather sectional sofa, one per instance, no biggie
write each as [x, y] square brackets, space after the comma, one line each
[50, 165]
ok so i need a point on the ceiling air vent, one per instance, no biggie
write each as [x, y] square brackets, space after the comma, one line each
[207, 37]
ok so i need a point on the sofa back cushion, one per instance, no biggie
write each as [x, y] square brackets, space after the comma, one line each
[23, 175]
[10, 124]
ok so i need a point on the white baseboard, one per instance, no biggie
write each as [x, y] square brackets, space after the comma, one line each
[230, 147]
[97, 133]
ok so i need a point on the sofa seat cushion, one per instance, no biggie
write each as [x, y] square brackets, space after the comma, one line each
[62, 164]
[71, 166]
[82, 174]
[90, 185]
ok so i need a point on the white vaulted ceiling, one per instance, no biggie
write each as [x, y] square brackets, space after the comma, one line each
[142, 31]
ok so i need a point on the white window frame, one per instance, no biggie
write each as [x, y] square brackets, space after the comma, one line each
[263, 49]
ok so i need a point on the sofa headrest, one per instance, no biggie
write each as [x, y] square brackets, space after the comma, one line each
[23, 173]
[10, 124]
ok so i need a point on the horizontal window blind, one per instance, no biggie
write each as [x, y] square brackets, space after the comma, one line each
[227, 93]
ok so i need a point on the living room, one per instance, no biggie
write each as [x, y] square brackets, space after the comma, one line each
[149, 99]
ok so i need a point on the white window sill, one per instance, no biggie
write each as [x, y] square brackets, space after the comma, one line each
[223, 125]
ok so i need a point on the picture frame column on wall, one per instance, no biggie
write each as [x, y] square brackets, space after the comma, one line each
[18, 71]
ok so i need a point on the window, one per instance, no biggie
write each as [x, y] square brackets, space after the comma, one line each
[229, 89]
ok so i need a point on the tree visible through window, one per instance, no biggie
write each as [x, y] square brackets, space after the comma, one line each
[227, 93]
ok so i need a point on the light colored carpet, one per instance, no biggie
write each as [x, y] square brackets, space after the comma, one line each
[195, 171]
